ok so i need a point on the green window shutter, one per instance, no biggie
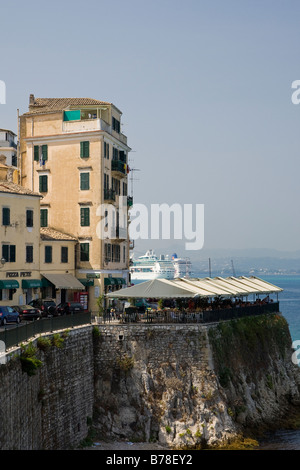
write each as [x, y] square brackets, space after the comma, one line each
[5, 252]
[12, 253]
[48, 254]
[64, 254]
[29, 218]
[84, 149]
[44, 217]
[44, 152]
[84, 216]
[84, 181]
[5, 216]
[84, 251]
[43, 183]
[29, 254]
[36, 153]
[43, 186]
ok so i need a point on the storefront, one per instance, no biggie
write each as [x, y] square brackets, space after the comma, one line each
[61, 287]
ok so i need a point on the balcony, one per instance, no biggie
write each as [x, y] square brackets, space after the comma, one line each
[85, 125]
[116, 233]
[119, 168]
[92, 124]
[109, 195]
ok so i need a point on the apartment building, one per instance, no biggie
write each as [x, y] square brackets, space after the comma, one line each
[8, 148]
[73, 152]
[20, 235]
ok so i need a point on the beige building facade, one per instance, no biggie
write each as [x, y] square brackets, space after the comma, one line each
[20, 238]
[35, 262]
[72, 151]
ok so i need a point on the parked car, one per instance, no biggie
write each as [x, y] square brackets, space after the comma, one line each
[27, 312]
[46, 306]
[66, 308]
[8, 315]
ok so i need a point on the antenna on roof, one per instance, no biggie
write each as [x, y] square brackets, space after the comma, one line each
[131, 178]
[232, 268]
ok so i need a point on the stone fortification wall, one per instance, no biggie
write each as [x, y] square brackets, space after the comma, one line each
[181, 385]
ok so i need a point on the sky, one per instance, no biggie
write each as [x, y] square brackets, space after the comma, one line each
[205, 92]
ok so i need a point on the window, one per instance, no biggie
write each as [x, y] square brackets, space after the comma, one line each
[116, 125]
[84, 149]
[6, 294]
[64, 254]
[84, 251]
[5, 216]
[43, 183]
[29, 218]
[115, 253]
[14, 160]
[29, 253]
[116, 185]
[124, 189]
[84, 216]
[106, 150]
[84, 181]
[115, 154]
[9, 253]
[40, 152]
[122, 156]
[107, 252]
[48, 254]
[124, 254]
[106, 181]
[44, 217]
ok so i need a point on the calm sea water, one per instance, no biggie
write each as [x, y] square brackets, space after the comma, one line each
[289, 302]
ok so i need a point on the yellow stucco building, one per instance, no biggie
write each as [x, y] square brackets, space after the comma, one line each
[72, 151]
[20, 240]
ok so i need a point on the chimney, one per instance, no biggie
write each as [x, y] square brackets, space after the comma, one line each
[31, 99]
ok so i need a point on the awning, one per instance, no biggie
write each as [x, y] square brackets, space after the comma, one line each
[86, 282]
[64, 281]
[158, 288]
[114, 281]
[11, 284]
[31, 283]
[206, 287]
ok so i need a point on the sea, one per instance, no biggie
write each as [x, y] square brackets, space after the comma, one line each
[289, 304]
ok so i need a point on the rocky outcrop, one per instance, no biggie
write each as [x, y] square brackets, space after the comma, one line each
[192, 385]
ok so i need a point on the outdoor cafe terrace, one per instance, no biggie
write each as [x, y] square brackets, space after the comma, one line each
[197, 300]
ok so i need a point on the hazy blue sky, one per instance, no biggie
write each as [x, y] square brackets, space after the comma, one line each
[205, 90]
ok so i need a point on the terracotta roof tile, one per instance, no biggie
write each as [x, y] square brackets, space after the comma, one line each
[9, 187]
[48, 105]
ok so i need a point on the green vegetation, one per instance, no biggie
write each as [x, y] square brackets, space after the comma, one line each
[58, 340]
[249, 340]
[43, 343]
[125, 363]
[30, 363]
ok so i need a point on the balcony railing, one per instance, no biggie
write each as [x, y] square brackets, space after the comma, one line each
[119, 167]
[109, 195]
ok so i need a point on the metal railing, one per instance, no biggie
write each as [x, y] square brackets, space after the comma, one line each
[205, 316]
[13, 336]
[118, 165]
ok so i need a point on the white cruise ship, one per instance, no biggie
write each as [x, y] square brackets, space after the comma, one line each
[150, 266]
[182, 266]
